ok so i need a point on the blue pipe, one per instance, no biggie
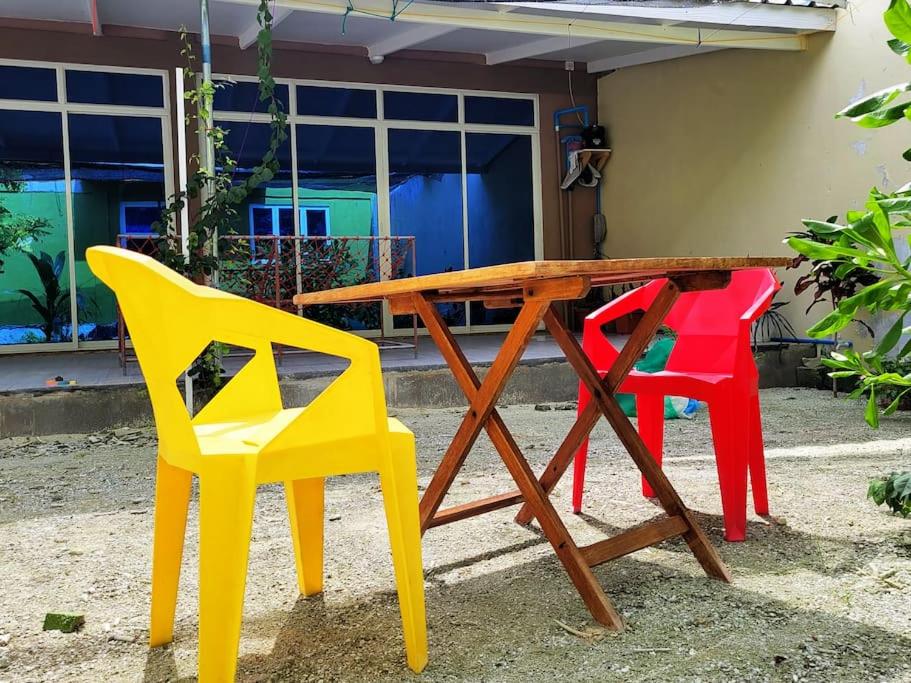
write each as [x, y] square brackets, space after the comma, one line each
[559, 113]
[809, 340]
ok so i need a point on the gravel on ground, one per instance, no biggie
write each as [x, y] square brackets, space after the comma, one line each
[821, 590]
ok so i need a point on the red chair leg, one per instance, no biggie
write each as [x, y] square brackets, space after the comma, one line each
[731, 460]
[650, 418]
[757, 457]
[581, 455]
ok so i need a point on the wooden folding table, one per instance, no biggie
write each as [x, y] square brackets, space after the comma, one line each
[533, 287]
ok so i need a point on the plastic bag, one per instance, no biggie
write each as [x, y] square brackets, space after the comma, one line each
[655, 360]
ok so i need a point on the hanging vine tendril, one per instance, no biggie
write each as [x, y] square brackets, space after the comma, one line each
[351, 9]
[219, 193]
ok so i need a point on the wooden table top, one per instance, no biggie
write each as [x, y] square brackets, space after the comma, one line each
[510, 276]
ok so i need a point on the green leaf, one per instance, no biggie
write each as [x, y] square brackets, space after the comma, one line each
[898, 20]
[822, 251]
[884, 116]
[871, 414]
[877, 491]
[890, 339]
[874, 102]
[822, 227]
[899, 47]
[892, 407]
[833, 322]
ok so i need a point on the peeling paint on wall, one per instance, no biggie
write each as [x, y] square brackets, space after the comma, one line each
[859, 147]
[884, 180]
[860, 92]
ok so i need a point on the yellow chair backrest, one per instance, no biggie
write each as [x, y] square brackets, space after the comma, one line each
[171, 321]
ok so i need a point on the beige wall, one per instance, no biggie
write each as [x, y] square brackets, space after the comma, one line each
[724, 153]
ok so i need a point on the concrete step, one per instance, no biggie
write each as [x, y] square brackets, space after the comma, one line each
[90, 409]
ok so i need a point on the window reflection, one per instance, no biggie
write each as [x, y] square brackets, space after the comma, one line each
[425, 196]
[336, 187]
[34, 273]
[111, 87]
[501, 225]
[118, 188]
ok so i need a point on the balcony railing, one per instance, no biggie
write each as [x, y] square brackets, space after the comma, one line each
[272, 269]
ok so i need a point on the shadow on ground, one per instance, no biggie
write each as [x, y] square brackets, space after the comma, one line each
[505, 625]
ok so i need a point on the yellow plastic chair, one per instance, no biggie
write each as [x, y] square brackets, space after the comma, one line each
[244, 438]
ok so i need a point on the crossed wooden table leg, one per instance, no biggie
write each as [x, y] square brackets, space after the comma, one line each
[536, 305]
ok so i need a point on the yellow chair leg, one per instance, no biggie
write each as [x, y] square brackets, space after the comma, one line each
[305, 499]
[399, 484]
[172, 497]
[226, 498]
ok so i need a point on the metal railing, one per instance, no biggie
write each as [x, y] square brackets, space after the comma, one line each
[272, 269]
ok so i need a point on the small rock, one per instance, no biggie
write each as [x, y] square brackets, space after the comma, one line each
[4, 639]
[542, 407]
[122, 637]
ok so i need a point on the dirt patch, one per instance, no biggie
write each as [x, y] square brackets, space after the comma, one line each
[822, 594]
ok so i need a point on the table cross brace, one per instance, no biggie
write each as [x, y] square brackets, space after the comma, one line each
[482, 414]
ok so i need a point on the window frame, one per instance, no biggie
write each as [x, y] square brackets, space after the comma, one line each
[62, 106]
[381, 125]
[135, 205]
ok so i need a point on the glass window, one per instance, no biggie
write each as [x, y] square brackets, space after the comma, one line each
[315, 222]
[247, 143]
[28, 83]
[418, 106]
[501, 224]
[105, 87]
[425, 197]
[136, 218]
[244, 96]
[117, 170]
[336, 187]
[251, 249]
[34, 273]
[322, 101]
[499, 110]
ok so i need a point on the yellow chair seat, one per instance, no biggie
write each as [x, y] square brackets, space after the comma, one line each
[243, 437]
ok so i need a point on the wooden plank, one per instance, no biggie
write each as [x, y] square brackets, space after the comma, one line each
[502, 302]
[401, 305]
[556, 468]
[705, 553]
[629, 354]
[697, 282]
[477, 507]
[557, 289]
[565, 548]
[482, 397]
[600, 272]
[634, 539]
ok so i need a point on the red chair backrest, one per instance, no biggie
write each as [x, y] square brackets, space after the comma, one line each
[713, 326]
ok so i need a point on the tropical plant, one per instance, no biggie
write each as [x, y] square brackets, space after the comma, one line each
[863, 252]
[822, 280]
[894, 490]
[52, 304]
[16, 231]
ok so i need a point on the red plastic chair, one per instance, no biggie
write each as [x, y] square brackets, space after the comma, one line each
[711, 361]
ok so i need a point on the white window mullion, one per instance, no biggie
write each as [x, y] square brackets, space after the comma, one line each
[295, 190]
[70, 233]
[466, 263]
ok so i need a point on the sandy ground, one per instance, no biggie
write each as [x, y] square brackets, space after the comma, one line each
[821, 594]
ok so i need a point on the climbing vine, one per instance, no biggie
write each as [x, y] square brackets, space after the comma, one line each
[220, 196]
[214, 197]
